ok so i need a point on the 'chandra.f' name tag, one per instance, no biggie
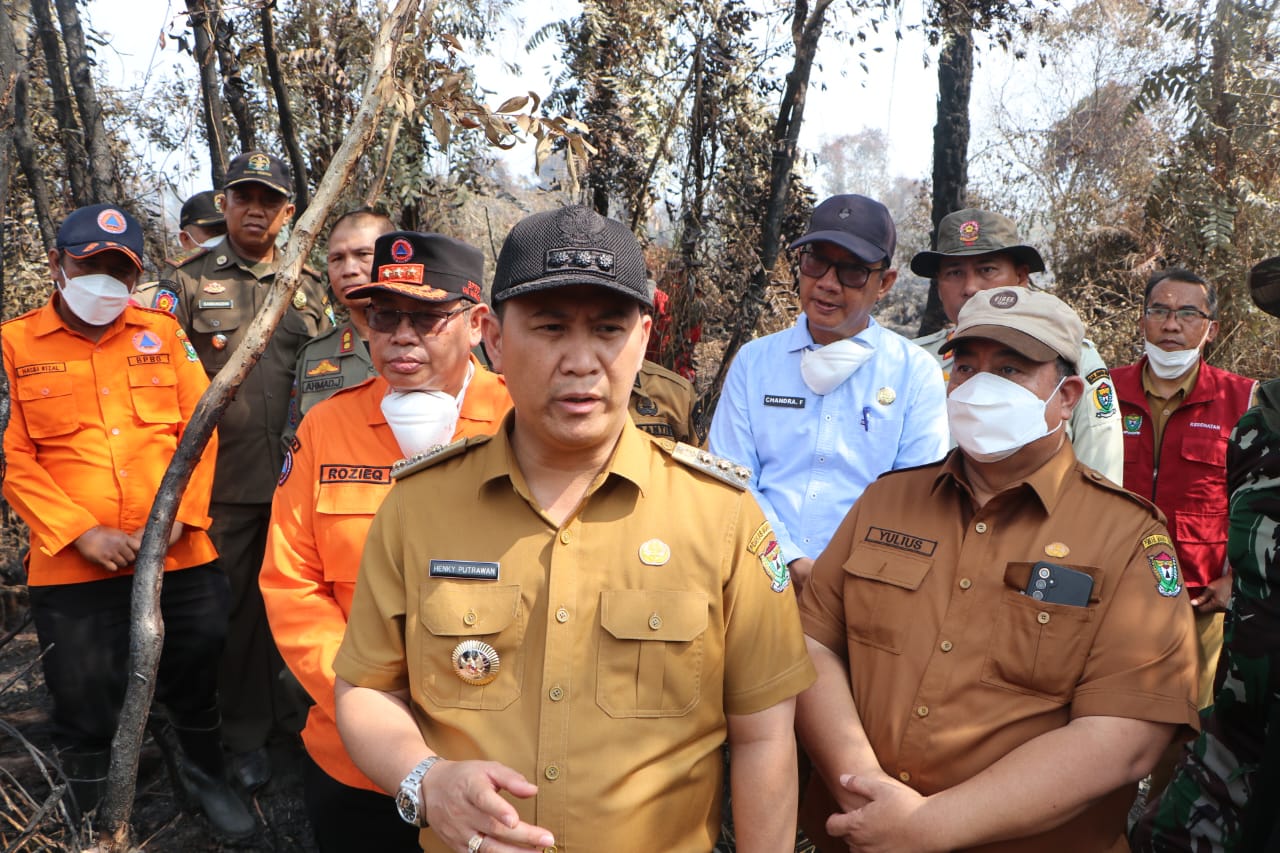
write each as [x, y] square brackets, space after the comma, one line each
[464, 570]
[784, 402]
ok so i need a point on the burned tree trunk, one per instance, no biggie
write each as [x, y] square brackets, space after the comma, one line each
[233, 85]
[147, 634]
[63, 113]
[102, 170]
[202, 35]
[14, 66]
[288, 127]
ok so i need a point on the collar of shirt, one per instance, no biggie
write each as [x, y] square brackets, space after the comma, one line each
[1047, 482]
[1184, 387]
[48, 321]
[799, 338]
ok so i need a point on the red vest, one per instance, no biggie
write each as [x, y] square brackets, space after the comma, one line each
[1190, 486]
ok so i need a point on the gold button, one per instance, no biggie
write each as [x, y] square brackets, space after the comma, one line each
[470, 618]
[556, 693]
[562, 615]
[904, 776]
[655, 621]
[1043, 618]
[965, 583]
[922, 711]
[946, 646]
[552, 772]
[981, 527]
[564, 537]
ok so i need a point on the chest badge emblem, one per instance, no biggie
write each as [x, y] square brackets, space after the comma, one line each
[475, 662]
[655, 552]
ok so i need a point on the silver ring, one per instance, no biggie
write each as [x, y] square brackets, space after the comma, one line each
[473, 846]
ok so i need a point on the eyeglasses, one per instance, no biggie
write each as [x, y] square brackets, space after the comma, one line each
[849, 275]
[387, 320]
[1184, 315]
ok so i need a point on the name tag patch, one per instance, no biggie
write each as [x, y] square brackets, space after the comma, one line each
[215, 303]
[158, 358]
[355, 474]
[901, 541]
[311, 386]
[783, 401]
[464, 570]
[49, 367]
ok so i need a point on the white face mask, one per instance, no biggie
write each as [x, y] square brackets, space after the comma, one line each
[992, 418]
[211, 242]
[1171, 365]
[97, 299]
[420, 420]
[823, 370]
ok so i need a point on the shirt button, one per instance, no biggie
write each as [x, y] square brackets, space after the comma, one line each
[155, 380]
[981, 527]
[556, 693]
[106, 390]
[904, 776]
[470, 618]
[822, 459]
[1042, 618]
[215, 323]
[965, 583]
[552, 772]
[115, 430]
[123, 473]
[564, 537]
[946, 646]
[922, 711]
[562, 615]
[44, 391]
[655, 621]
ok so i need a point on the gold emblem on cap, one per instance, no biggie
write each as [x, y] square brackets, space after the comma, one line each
[886, 395]
[475, 662]
[299, 300]
[214, 287]
[1057, 549]
[219, 341]
[655, 552]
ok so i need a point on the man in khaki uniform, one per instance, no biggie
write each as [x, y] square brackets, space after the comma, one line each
[1002, 639]
[546, 604]
[339, 358]
[979, 250]
[663, 404]
[216, 294]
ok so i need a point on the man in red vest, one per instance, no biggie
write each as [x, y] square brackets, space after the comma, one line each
[1177, 412]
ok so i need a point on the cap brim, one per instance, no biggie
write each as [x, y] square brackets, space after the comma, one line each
[1018, 341]
[568, 280]
[864, 249]
[280, 188]
[205, 222]
[420, 292]
[925, 264]
[97, 247]
[1264, 285]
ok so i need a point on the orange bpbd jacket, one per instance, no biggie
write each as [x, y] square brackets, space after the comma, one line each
[335, 476]
[92, 429]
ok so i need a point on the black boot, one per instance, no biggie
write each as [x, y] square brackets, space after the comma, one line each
[86, 772]
[202, 776]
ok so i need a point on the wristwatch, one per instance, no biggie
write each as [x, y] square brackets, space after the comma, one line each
[409, 798]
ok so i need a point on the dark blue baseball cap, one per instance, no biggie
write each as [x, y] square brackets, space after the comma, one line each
[100, 228]
[854, 222]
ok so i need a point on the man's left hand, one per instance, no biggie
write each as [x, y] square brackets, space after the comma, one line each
[890, 822]
[1216, 596]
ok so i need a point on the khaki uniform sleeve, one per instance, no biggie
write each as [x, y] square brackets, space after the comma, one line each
[1144, 659]
[373, 650]
[1094, 428]
[766, 661]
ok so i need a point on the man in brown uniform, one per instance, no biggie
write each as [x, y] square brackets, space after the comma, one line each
[1002, 639]
[217, 293]
[546, 603]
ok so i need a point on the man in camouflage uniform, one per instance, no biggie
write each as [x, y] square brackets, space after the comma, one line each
[215, 294]
[1224, 792]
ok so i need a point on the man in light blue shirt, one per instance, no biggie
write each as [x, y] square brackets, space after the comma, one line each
[820, 410]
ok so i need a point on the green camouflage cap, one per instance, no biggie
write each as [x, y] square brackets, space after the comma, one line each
[975, 232]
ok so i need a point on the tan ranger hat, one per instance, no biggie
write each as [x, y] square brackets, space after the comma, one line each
[976, 232]
[1033, 323]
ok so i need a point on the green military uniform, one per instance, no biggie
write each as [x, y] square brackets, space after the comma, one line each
[1224, 791]
[663, 404]
[1094, 428]
[215, 295]
[336, 358]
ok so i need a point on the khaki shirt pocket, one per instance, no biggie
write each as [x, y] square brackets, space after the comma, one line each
[453, 612]
[651, 651]
[48, 404]
[1037, 647]
[878, 597]
[154, 389]
[207, 322]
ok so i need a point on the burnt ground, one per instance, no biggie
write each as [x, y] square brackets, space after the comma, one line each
[160, 822]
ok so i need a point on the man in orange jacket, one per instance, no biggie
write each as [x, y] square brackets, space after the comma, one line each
[101, 393]
[425, 315]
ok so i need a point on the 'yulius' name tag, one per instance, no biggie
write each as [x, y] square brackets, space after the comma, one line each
[464, 570]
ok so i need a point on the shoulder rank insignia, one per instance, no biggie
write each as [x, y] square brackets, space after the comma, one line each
[421, 461]
[709, 463]
[184, 258]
